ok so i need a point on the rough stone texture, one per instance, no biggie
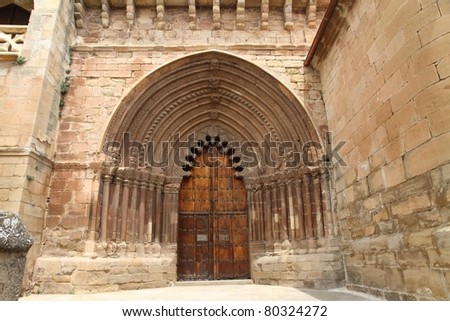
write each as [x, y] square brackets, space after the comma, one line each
[384, 93]
[15, 242]
[108, 66]
[382, 70]
[77, 275]
[109, 63]
[13, 234]
[29, 110]
[319, 268]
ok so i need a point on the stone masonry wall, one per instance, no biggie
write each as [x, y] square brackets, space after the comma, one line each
[29, 110]
[145, 268]
[108, 62]
[386, 85]
[176, 30]
[289, 265]
[99, 77]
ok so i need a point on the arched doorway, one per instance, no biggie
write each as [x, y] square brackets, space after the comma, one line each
[213, 222]
[162, 213]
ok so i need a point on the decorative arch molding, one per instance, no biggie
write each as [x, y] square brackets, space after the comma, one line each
[210, 93]
[229, 89]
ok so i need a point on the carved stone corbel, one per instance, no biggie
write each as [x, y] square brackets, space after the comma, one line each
[216, 14]
[131, 12]
[264, 14]
[311, 14]
[79, 12]
[288, 24]
[240, 15]
[192, 15]
[105, 13]
[160, 14]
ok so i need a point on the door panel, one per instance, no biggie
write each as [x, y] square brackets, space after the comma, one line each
[212, 232]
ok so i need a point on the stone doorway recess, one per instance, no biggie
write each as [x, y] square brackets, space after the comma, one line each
[213, 221]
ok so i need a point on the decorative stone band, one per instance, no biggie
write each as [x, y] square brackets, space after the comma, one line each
[309, 6]
[15, 241]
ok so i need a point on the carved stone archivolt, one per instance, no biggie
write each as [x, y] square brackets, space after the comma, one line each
[210, 97]
[183, 93]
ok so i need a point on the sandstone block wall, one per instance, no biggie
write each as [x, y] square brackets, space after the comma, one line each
[29, 115]
[287, 265]
[100, 76]
[107, 63]
[152, 268]
[386, 86]
[15, 242]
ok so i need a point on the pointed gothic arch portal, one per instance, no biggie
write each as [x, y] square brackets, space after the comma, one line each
[213, 237]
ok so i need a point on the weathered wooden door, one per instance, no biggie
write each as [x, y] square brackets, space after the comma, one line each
[212, 224]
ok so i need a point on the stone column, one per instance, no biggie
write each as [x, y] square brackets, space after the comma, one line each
[309, 228]
[150, 211]
[251, 213]
[300, 214]
[124, 209]
[115, 207]
[174, 216]
[158, 212]
[291, 212]
[132, 217]
[170, 214]
[142, 208]
[275, 210]
[105, 207]
[267, 212]
[284, 220]
[318, 204]
[260, 212]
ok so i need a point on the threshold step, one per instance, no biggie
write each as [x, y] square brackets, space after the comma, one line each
[213, 282]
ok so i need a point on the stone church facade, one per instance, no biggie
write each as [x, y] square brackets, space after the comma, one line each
[293, 142]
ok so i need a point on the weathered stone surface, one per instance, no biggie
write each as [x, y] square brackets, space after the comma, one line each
[313, 270]
[91, 278]
[385, 95]
[85, 275]
[15, 241]
[395, 279]
[441, 236]
[425, 283]
[394, 91]
[13, 234]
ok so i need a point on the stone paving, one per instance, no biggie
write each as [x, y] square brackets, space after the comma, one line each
[214, 291]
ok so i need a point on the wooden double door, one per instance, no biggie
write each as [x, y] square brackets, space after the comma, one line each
[212, 223]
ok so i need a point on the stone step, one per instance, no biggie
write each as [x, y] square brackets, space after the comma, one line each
[214, 282]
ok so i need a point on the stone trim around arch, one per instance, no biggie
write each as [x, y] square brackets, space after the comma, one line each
[208, 80]
[206, 93]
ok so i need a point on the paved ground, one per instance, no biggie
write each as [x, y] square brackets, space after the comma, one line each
[213, 291]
